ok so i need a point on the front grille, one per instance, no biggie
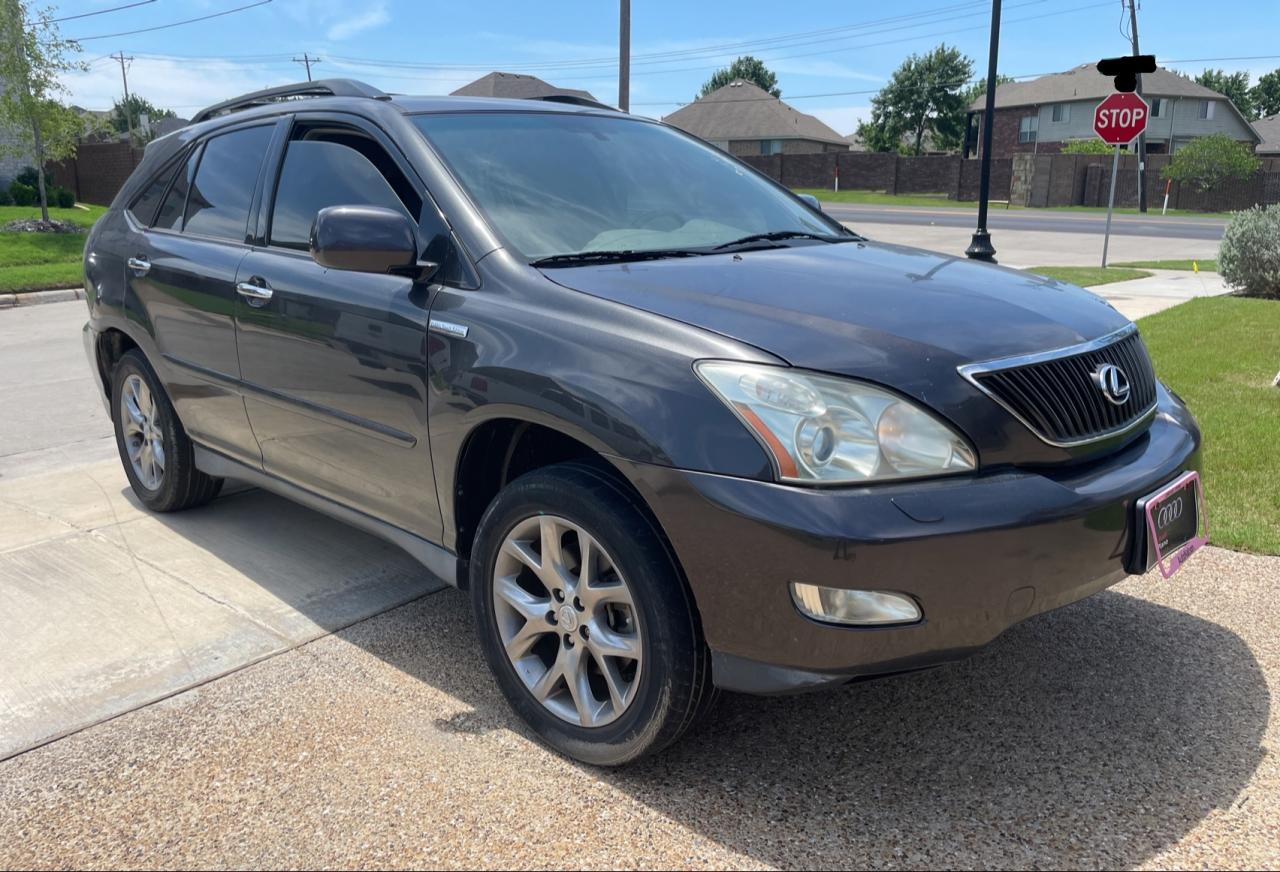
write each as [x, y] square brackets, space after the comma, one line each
[1057, 395]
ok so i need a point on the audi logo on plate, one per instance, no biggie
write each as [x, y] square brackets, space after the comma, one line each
[1168, 513]
[1113, 383]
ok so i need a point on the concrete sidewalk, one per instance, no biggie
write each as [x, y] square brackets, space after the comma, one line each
[1163, 289]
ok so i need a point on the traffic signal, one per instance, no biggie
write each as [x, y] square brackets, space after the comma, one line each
[1125, 70]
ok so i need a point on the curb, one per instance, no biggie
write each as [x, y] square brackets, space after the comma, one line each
[33, 298]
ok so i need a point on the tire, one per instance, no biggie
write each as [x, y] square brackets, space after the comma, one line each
[178, 484]
[649, 607]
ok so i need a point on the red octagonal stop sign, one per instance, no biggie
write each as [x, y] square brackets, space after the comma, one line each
[1120, 118]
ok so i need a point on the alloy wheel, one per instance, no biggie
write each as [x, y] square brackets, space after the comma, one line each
[143, 434]
[568, 621]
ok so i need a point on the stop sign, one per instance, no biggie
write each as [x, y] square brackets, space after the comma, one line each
[1120, 117]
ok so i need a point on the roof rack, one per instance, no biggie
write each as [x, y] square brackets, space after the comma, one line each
[320, 88]
[574, 100]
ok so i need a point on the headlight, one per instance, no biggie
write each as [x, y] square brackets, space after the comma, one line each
[821, 429]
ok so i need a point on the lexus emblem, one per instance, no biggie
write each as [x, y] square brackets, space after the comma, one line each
[1113, 383]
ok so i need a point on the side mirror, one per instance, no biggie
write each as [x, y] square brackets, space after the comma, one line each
[811, 201]
[364, 239]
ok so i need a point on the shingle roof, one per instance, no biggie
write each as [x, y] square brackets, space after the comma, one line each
[515, 85]
[1086, 83]
[741, 110]
[1269, 130]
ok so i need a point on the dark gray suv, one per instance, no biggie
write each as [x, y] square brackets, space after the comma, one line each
[672, 427]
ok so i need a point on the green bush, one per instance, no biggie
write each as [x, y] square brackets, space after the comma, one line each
[23, 195]
[29, 177]
[5, 199]
[1087, 146]
[1209, 161]
[1249, 258]
[61, 197]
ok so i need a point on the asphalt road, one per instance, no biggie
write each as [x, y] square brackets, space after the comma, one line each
[1042, 220]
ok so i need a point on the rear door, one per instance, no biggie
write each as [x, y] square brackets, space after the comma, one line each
[333, 361]
[182, 272]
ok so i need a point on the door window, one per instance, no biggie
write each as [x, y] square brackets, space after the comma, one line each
[144, 205]
[223, 189]
[319, 173]
[170, 215]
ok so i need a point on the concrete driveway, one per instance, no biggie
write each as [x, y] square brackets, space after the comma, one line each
[209, 715]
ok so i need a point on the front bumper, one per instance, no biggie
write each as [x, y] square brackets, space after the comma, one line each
[978, 553]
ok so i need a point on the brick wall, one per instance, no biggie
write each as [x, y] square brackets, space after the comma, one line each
[98, 171]
[951, 176]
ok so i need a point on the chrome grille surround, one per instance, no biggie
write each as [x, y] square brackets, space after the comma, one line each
[1053, 394]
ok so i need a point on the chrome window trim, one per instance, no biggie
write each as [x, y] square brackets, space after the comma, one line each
[971, 371]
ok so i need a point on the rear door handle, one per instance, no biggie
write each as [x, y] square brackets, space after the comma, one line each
[140, 265]
[256, 295]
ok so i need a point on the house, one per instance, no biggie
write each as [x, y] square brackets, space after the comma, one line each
[744, 119]
[1044, 114]
[1269, 130]
[516, 86]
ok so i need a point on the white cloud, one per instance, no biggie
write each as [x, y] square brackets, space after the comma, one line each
[843, 119]
[370, 18]
[183, 86]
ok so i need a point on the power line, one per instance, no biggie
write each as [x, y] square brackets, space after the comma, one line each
[101, 11]
[173, 23]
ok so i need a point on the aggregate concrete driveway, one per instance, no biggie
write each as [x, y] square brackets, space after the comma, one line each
[1135, 728]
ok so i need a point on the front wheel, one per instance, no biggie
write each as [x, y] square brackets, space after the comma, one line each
[584, 618]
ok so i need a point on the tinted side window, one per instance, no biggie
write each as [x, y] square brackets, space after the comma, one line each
[320, 174]
[170, 216]
[223, 188]
[145, 204]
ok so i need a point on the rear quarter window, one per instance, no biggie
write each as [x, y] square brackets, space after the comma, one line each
[145, 204]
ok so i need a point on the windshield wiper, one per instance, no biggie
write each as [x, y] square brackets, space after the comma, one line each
[778, 235]
[585, 257]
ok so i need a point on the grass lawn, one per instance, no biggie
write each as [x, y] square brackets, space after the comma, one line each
[880, 198]
[38, 261]
[1220, 355]
[1209, 265]
[1089, 276]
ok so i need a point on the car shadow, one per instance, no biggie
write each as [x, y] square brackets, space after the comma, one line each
[1096, 735]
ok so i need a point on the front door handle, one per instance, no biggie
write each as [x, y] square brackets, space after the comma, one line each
[140, 265]
[256, 295]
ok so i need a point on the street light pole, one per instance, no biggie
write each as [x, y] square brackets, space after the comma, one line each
[980, 248]
[624, 55]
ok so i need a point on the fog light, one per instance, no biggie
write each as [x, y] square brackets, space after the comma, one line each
[838, 606]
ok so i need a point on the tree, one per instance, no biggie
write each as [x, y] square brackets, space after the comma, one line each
[749, 69]
[32, 57]
[1087, 146]
[1211, 160]
[1266, 95]
[979, 88]
[1233, 86]
[127, 114]
[924, 95]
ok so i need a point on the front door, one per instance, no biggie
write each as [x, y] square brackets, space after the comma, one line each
[182, 270]
[333, 362]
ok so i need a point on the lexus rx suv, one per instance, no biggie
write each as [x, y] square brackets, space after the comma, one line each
[673, 428]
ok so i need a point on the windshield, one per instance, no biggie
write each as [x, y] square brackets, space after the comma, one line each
[557, 184]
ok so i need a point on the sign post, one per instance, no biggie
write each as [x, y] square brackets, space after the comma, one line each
[1118, 120]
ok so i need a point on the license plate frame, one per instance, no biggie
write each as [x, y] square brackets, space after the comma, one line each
[1160, 511]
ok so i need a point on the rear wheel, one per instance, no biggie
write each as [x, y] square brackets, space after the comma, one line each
[584, 618]
[154, 448]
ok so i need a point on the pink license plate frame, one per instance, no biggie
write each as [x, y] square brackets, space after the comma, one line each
[1172, 561]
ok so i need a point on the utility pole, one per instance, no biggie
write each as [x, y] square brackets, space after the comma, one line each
[128, 110]
[1142, 137]
[980, 248]
[308, 60]
[624, 55]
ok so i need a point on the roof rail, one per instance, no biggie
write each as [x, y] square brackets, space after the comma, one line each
[574, 100]
[320, 88]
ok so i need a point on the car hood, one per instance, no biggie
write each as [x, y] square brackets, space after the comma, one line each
[888, 313]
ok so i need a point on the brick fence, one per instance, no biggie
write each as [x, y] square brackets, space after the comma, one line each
[98, 171]
[1044, 180]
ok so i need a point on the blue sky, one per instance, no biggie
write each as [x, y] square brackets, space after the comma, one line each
[830, 56]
